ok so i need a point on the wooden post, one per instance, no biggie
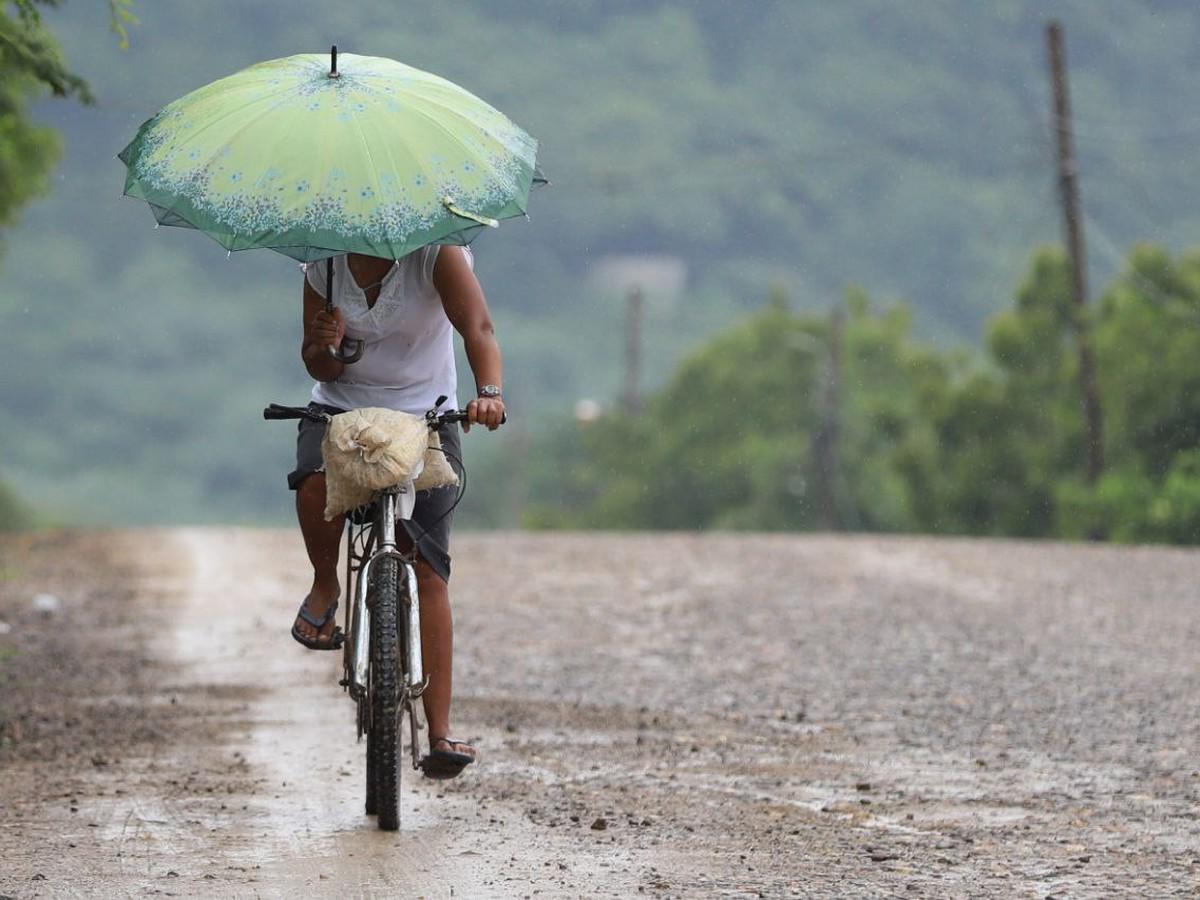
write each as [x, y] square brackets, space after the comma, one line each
[631, 398]
[1068, 184]
[827, 438]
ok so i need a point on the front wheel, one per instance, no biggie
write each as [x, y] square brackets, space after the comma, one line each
[372, 804]
[383, 742]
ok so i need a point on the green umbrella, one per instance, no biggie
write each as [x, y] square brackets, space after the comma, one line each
[366, 155]
[312, 159]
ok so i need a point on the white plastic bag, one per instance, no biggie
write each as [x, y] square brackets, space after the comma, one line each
[366, 450]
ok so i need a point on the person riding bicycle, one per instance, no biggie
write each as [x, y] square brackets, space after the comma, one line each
[403, 310]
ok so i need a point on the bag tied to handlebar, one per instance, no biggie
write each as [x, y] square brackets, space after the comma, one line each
[366, 450]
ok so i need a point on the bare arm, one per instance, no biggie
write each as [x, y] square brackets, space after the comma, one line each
[322, 330]
[466, 308]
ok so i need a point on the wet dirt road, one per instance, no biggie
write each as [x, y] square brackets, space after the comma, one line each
[695, 716]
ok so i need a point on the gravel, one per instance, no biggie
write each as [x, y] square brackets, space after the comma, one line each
[670, 715]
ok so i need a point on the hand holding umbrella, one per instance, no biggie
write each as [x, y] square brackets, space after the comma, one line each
[329, 327]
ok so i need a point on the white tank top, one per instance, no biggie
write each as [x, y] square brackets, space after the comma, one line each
[408, 354]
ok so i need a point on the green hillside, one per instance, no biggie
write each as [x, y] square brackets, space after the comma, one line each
[901, 147]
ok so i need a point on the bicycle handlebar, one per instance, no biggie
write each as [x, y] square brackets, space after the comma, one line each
[463, 416]
[276, 412]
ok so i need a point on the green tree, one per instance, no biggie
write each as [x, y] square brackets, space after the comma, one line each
[30, 63]
[1009, 431]
[731, 441]
[942, 442]
[725, 444]
[1147, 344]
[14, 514]
[894, 389]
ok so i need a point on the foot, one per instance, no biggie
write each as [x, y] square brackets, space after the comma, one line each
[318, 601]
[447, 757]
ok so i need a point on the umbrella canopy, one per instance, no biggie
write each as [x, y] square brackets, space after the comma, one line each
[314, 157]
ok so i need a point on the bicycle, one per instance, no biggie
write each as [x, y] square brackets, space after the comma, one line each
[383, 672]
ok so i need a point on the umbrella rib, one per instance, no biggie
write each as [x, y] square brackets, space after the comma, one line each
[413, 104]
[453, 137]
[370, 157]
[437, 123]
[273, 97]
[433, 101]
[222, 117]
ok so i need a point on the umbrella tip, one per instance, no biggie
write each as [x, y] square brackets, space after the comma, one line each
[333, 72]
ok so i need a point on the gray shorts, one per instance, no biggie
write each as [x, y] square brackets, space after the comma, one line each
[429, 526]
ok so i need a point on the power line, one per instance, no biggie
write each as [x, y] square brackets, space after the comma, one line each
[1121, 263]
[1106, 131]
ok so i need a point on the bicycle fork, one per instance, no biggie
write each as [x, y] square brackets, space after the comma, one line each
[415, 681]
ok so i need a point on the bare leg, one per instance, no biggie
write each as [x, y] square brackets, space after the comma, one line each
[437, 651]
[437, 647]
[322, 540]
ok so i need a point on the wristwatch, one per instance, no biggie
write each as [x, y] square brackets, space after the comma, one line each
[490, 392]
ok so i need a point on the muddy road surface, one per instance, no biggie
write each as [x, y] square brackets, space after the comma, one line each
[666, 716]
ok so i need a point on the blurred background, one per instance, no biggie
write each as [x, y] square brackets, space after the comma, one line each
[800, 267]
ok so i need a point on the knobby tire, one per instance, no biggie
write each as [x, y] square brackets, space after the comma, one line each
[383, 740]
[372, 804]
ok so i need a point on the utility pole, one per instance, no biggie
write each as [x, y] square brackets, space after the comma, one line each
[826, 443]
[1068, 186]
[631, 398]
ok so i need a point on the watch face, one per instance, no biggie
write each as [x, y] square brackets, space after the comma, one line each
[489, 390]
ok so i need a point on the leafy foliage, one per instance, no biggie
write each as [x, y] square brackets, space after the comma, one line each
[14, 513]
[28, 50]
[29, 62]
[930, 441]
[28, 59]
[732, 440]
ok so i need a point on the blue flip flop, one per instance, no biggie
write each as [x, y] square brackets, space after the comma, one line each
[445, 763]
[332, 642]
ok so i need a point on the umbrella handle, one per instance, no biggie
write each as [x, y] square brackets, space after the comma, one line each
[353, 356]
[356, 353]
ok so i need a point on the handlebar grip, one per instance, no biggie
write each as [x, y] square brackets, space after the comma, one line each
[461, 416]
[275, 411]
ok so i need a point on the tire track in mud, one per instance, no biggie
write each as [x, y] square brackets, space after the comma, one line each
[256, 788]
[304, 830]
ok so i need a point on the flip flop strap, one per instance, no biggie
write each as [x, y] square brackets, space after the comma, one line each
[306, 614]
